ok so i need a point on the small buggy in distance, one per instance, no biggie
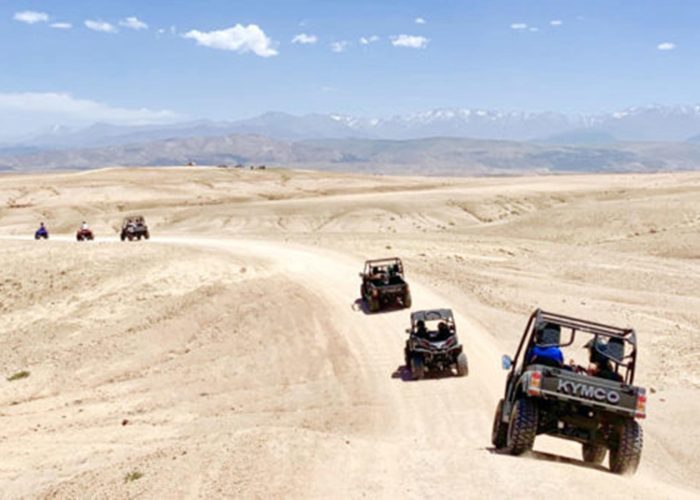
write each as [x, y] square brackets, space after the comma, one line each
[134, 227]
[383, 284]
[433, 345]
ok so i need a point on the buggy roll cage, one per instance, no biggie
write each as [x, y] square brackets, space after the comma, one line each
[433, 315]
[389, 261]
[628, 335]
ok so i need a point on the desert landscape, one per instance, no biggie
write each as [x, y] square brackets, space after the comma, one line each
[228, 357]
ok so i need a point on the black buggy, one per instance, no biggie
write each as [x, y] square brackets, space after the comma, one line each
[597, 406]
[383, 284]
[134, 228]
[433, 345]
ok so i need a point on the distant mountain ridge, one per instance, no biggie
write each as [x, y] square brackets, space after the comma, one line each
[648, 123]
[432, 156]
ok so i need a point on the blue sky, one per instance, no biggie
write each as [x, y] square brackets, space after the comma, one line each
[187, 60]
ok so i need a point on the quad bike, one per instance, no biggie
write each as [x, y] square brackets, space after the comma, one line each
[41, 234]
[84, 235]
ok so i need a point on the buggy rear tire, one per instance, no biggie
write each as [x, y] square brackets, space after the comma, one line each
[417, 367]
[500, 429]
[146, 235]
[407, 300]
[522, 428]
[593, 453]
[626, 451]
[373, 304]
[462, 365]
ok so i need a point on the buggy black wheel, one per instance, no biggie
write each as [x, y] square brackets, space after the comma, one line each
[146, 235]
[462, 365]
[417, 367]
[626, 449]
[593, 453]
[500, 429]
[522, 427]
[407, 300]
[373, 304]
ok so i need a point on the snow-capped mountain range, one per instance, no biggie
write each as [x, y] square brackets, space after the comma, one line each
[640, 124]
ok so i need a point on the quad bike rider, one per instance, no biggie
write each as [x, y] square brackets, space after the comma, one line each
[41, 233]
[134, 227]
[383, 284]
[597, 406]
[84, 233]
[433, 345]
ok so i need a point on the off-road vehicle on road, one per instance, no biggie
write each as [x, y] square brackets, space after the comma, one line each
[433, 345]
[42, 233]
[597, 406]
[84, 234]
[383, 284]
[134, 227]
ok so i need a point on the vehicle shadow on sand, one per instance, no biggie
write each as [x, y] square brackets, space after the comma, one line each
[549, 457]
[403, 373]
[361, 305]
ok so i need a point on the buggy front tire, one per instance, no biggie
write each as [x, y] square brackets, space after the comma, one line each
[522, 428]
[417, 367]
[462, 365]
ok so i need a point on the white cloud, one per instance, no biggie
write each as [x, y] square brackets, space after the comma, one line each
[410, 41]
[101, 26]
[556, 22]
[366, 40]
[61, 26]
[133, 23]
[666, 46]
[239, 39]
[518, 26]
[534, 30]
[305, 39]
[66, 108]
[420, 20]
[341, 46]
[31, 17]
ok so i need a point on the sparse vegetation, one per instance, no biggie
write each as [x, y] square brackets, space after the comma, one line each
[133, 476]
[18, 376]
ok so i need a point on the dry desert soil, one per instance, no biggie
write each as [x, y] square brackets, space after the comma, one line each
[227, 356]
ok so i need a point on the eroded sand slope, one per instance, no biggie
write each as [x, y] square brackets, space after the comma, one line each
[227, 356]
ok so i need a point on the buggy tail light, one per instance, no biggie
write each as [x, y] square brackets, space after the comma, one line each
[534, 388]
[641, 411]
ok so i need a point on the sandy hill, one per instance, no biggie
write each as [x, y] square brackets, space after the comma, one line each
[226, 357]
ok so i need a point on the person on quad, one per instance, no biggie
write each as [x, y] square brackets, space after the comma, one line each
[85, 226]
[42, 232]
[546, 350]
